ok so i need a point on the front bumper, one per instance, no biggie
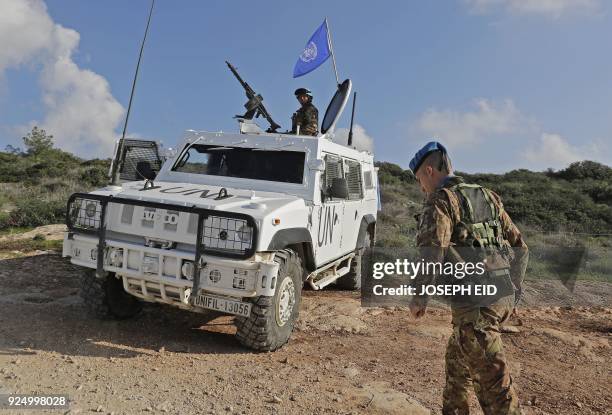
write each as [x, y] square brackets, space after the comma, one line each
[155, 274]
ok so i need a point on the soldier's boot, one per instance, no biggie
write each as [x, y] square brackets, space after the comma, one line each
[483, 353]
[458, 381]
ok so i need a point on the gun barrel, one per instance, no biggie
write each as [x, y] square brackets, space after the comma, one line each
[255, 105]
[249, 91]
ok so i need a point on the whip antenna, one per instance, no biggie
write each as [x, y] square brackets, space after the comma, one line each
[350, 135]
[116, 168]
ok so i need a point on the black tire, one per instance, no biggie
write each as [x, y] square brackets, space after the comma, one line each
[105, 298]
[352, 280]
[266, 329]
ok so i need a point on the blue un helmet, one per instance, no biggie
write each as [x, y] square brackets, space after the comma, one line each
[427, 149]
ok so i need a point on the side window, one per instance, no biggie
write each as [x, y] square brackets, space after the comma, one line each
[333, 170]
[354, 179]
[367, 178]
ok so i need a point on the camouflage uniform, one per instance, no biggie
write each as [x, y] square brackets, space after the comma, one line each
[307, 117]
[474, 354]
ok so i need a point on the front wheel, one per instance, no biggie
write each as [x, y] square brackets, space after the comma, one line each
[272, 318]
[105, 297]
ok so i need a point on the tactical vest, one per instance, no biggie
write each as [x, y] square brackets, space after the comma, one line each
[478, 237]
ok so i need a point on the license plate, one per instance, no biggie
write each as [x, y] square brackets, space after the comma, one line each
[224, 305]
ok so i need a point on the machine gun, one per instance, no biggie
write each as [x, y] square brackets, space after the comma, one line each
[254, 106]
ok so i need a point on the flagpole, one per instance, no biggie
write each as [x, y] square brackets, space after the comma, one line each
[331, 50]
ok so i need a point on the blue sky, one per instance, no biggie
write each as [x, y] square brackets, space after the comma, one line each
[504, 83]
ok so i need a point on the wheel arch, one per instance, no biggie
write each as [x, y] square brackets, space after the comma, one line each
[298, 240]
[367, 226]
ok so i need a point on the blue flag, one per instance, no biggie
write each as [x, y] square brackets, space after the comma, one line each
[315, 52]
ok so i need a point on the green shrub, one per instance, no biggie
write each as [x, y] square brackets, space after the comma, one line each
[94, 176]
[33, 211]
[4, 220]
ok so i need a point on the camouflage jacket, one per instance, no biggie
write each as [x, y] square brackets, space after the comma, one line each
[442, 212]
[307, 117]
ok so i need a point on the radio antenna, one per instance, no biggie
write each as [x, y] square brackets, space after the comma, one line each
[350, 134]
[116, 168]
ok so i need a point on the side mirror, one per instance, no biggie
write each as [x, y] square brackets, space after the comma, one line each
[339, 188]
[317, 165]
[143, 168]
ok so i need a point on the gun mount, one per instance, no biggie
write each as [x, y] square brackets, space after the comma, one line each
[254, 106]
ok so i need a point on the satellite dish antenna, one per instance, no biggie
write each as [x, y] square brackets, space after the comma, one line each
[336, 106]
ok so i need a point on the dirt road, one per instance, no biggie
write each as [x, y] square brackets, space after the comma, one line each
[342, 358]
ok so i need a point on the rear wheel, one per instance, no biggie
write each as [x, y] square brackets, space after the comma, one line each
[272, 318]
[105, 297]
[359, 264]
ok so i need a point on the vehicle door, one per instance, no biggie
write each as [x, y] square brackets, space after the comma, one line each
[327, 216]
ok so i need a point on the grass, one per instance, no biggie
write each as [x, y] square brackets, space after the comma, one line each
[29, 245]
[15, 230]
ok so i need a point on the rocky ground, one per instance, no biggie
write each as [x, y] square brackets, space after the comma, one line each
[342, 358]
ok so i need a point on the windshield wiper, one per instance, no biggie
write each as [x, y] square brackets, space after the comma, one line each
[219, 148]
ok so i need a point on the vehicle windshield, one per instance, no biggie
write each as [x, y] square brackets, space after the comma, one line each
[245, 163]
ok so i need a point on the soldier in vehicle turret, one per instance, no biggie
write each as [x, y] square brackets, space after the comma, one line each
[307, 117]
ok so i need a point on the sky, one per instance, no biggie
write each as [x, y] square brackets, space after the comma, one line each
[504, 84]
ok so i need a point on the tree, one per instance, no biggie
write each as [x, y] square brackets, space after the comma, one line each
[12, 150]
[37, 141]
[586, 169]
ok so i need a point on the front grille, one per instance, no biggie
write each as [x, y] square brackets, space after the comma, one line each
[228, 234]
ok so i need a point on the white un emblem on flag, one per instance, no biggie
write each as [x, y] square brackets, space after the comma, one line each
[309, 53]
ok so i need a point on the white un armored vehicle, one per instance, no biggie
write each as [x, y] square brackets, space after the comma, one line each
[233, 222]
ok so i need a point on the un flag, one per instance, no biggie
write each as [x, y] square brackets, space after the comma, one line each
[315, 53]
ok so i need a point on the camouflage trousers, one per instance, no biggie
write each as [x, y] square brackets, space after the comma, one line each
[475, 357]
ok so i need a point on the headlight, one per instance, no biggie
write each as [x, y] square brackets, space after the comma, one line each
[90, 209]
[215, 276]
[85, 213]
[224, 235]
[115, 257]
[187, 270]
[245, 233]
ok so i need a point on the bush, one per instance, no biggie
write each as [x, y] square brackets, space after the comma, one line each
[4, 220]
[33, 211]
[581, 170]
[95, 176]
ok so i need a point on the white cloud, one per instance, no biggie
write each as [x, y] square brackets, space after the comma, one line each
[552, 150]
[548, 8]
[81, 111]
[489, 119]
[361, 140]
[519, 141]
